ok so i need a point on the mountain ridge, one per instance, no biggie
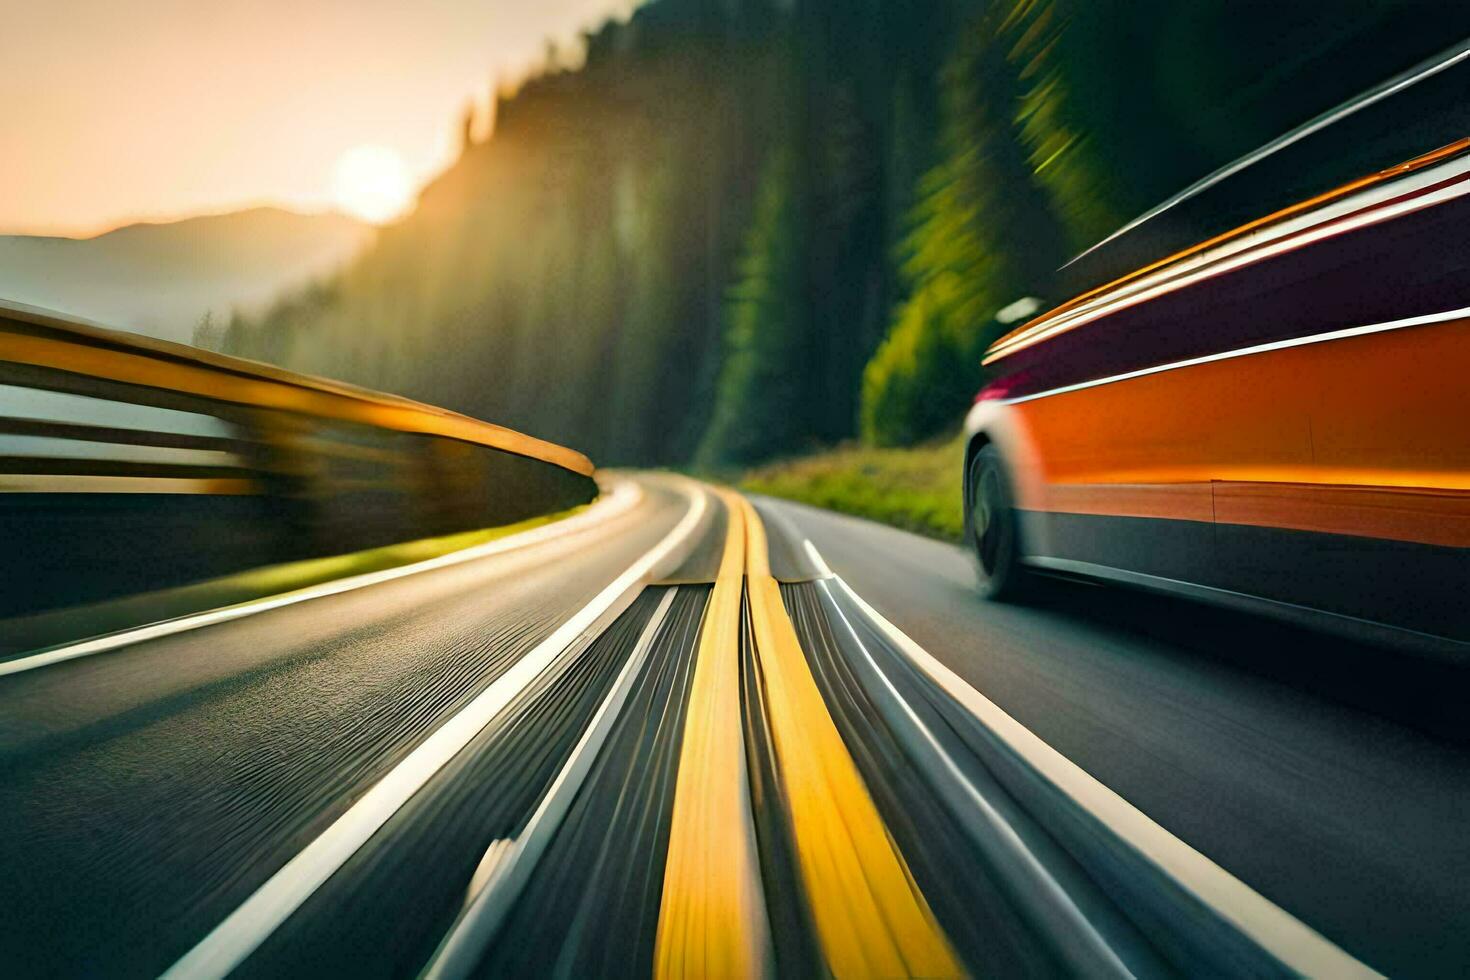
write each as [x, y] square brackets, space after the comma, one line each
[161, 278]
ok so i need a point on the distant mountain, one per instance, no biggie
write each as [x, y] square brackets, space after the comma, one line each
[161, 279]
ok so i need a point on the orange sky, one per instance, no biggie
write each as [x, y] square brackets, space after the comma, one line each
[115, 110]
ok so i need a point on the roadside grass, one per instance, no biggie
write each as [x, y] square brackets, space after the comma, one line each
[38, 630]
[917, 489]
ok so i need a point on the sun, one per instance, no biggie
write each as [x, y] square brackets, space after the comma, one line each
[372, 183]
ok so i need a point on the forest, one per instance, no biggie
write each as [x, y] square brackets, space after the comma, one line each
[736, 230]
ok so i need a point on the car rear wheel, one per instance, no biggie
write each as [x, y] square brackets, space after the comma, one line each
[992, 528]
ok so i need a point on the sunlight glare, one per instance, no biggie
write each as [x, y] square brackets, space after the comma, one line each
[372, 183]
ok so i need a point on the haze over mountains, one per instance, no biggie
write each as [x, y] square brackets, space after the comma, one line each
[161, 279]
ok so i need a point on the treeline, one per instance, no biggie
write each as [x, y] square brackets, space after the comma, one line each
[746, 228]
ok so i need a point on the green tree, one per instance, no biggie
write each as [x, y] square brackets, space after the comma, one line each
[763, 393]
[983, 234]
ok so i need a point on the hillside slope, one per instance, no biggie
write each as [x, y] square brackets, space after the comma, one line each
[742, 229]
[160, 279]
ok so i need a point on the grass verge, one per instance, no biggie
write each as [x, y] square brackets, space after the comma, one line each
[917, 489]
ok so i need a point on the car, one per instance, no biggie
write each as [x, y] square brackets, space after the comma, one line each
[1276, 417]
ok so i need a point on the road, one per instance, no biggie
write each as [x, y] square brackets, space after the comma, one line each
[675, 737]
[1326, 776]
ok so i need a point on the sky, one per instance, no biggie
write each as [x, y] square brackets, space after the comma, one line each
[113, 111]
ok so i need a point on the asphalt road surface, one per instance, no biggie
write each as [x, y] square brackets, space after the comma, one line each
[1332, 778]
[675, 737]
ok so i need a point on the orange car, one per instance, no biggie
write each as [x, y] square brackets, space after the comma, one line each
[1277, 418]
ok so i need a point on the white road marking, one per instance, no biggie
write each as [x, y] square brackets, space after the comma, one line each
[1091, 954]
[1271, 927]
[816, 557]
[624, 497]
[508, 864]
[227, 946]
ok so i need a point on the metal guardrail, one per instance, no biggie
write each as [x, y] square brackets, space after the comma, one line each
[128, 463]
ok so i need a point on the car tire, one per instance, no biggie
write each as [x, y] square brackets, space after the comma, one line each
[993, 529]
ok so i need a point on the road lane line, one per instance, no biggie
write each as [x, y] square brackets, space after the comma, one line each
[712, 916]
[1291, 941]
[816, 556]
[508, 864]
[871, 919]
[229, 943]
[624, 497]
[1083, 948]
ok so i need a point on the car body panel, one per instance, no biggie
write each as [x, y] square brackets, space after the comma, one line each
[1278, 415]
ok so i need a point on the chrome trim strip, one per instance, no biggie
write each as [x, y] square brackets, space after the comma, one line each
[1413, 321]
[1418, 73]
[1360, 210]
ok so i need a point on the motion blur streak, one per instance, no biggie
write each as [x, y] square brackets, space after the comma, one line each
[249, 925]
[1275, 422]
[1258, 240]
[121, 455]
[98, 352]
[870, 917]
[1434, 65]
[509, 863]
[625, 496]
[1298, 948]
[1236, 432]
[712, 920]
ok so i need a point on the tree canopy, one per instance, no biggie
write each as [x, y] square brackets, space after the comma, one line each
[744, 228]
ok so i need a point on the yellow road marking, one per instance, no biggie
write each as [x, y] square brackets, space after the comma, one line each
[870, 917]
[712, 920]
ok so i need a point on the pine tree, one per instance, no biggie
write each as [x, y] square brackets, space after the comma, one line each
[760, 406]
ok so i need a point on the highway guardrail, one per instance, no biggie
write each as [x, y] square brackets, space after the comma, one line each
[130, 464]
